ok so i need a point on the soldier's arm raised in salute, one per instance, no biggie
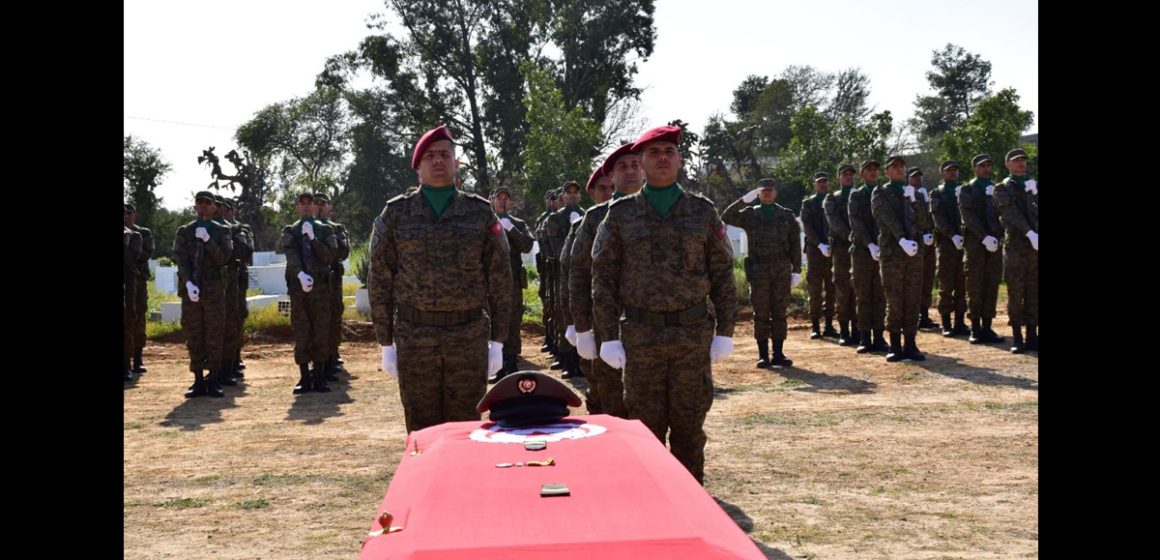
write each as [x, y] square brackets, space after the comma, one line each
[735, 214]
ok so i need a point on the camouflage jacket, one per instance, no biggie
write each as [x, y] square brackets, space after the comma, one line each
[894, 221]
[146, 251]
[864, 230]
[814, 221]
[776, 239]
[838, 218]
[317, 262]
[133, 249]
[520, 241]
[202, 263]
[1018, 211]
[580, 267]
[980, 216]
[456, 262]
[944, 211]
[343, 251]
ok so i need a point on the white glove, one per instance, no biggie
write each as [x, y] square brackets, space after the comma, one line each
[391, 361]
[924, 193]
[1034, 237]
[308, 230]
[911, 247]
[990, 190]
[586, 345]
[1030, 187]
[494, 356]
[825, 249]
[612, 352]
[194, 293]
[751, 196]
[928, 239]
[201, 234]
[991, 243]
[908, 192]
[795, 279]
[507, 224]
[306, 280]
[958, 241]
[570, 334]
[875, 252]
[721, 347]
[574, 217]
[957, 189]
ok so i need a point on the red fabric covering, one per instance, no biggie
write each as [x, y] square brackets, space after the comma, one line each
[630, 499]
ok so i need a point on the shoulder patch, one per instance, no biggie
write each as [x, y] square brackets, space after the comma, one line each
[496, 228]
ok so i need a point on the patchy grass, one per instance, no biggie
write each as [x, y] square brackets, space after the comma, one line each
[259, 503]
[182, 503]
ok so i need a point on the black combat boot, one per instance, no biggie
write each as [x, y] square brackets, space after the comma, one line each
[238, 367]
[844, 336]
[779, 358]
[241, 363]
[1033, 338]
[829, 331]
[947, 329]
[815, 331]
[571, 365]
[305, 384]
[225, 376]
[318, 376]
[990, 335]
[763, 353]
[895, 354]
[976, 332]
[198, 387]
[126, 373]
[880, 341]
[924, 321]
[865, 346]
[1017, 345]
[212, 387]
[332, 369]
[138, 367]
[960, 328]
[910, 348]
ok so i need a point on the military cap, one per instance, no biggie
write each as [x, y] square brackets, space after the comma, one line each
[610, 161]
[502, 188]
[321, 196]
[768, 183]
[821, 175]
[564, 187]
[306, 194]
[949, 164]
[129, 208]
[204, 194]
[1016, 153]
[892, 159]
[979, 159]
[219, 199]
[431, 136]
[665, 133]
[868, 163]
[846, 167]
[527, 397]
[592, 180]
[227, 202]
[913, 171]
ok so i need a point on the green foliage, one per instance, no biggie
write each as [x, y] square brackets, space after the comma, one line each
[560, 143]
[960, 80]
[143, 170]
[993, 129]
[360, 260]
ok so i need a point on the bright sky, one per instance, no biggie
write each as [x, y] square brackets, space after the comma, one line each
[195, 71]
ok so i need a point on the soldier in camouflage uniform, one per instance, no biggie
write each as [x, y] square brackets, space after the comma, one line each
[599, 188]
[231, 337]
[948, 234]
[558, 225]
[838, 220]
[1017, 199]
[605, 386]
[325, 211]
[552, 204]
[133, 251]
[243, 254]
[201, 249]
[984, 262]
[439, 260]
[310, 248]
[773, 267]
[657, 255]
[871, 300]
[914, 179]
[520, 241]
[141, 295]
[820, 273]
[897, 210]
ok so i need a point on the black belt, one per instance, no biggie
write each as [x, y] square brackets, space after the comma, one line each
[438, 318]
[684, 318]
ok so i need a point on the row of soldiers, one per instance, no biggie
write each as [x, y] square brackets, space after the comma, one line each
[135, 277]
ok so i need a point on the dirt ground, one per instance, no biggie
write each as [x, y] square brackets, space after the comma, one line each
[841, 456]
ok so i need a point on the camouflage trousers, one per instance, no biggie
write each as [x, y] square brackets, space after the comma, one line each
[605, 386]
[868, 290]
[310, 319]
[668, 385]
[513, 344]
[843, 286]
[902, 286]
[336, 308]
[127, 304]
[442, 371]
[928, 269]
[1021, 270]
[232, 341]
[952, 283]
[560, 316]
[243, 311]
[769, 294]
[204, 325]
[983, 270]
[819, 277]
[141, 312]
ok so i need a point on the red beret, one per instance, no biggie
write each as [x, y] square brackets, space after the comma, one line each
[610, 162]
[666, 133]
[592, 180]
[433, 135]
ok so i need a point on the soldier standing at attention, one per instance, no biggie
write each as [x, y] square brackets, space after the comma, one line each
[201, 249]
[310, 248]
[864, 257]
[440, 288]
[325, 211]
[661, 255]
[519, 241]
[1017, 199]
[984, 263]
[129, 291]
[948, 234]
[141, 294]
[896, 209]
[838, 220]
[819, 273]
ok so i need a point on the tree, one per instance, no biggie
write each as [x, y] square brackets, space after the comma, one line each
[561, 143]
[960, 79]
[993, 128]
[381, 168]
[164, 226]
[143, 170]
